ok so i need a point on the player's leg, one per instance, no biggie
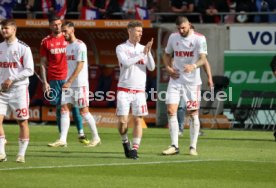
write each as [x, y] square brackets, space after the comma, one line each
[55, 96]
[181, 111]
[139, 109]
[172, 101]
[82, 102]
[87, 116]
[3, 156]
[193, 103]
[64, 119]
[23, 140]
[19, 104]
[78, 121]
[3, 111]
[122, 111]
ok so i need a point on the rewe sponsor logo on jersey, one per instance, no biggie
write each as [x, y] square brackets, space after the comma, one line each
[71, 57]
[184, 53]
[58, 51]
[8, 65]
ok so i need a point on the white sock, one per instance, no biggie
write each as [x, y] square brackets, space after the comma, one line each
[124, 138]
[64, 124]
[136, 143]
[81, 132]
[92, 124]
[23, 144]
[2, 145]
[173, 125]
[194, 130]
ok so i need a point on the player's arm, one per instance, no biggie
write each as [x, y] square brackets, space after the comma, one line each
[150, 61]
[43, 66]
[208, 72]
[126, 61]
[74, 75]
[28, 64]
[168, 59]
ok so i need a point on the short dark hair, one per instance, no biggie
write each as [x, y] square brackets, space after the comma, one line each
[68, 23]
[8, 22]
[181, 19]
[133, 24]
[53, 17]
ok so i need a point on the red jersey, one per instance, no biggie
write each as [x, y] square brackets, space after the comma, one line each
[54, 49]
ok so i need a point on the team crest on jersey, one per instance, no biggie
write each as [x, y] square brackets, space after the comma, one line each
[177, 43]
[191, 45]
[15, 54]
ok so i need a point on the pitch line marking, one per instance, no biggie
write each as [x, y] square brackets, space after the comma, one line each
[129, 164]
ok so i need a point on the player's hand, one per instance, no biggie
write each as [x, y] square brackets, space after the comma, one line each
[147, 48]
[189, 68]
[66, 85]
[5, 86]
[210, 83]
[46, 88]
[174, 73]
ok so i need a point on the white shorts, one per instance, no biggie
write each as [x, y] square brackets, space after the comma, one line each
[137, 102]
[15, 100]
[77, 96]
[190, 93]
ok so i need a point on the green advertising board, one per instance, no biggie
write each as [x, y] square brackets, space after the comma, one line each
[249, 70]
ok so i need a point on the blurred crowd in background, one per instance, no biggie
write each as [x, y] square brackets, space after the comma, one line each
[198, 11]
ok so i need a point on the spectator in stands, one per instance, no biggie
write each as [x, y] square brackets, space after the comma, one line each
[210, 8]
[129, 7]
[245, 6]
[6, 9]
[72, 9]
[23, 9]
[106, 9]
[152, 6]
[184, 6]
[44, 7]
[265, 6]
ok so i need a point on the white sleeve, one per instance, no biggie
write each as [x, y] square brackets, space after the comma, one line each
[82, 53]
[126, 61]
[169, 47]
[202, 45]
[28, 64]
[150, 62]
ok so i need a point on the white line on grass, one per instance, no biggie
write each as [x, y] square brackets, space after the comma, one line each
[129, 164]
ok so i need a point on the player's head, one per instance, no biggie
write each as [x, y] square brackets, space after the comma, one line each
[68, 30]
[8, 28]
[55, 24]
[135, 31]
[183, 25]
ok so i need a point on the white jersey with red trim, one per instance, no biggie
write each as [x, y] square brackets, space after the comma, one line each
[16, 62]
[187, 50]
[133, 65]
[77, 52]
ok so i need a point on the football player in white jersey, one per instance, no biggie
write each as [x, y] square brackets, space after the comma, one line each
[16, 65]
[190, 50]
[75, 90]
[134, 59]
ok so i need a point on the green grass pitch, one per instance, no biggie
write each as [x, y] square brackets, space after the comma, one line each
[227, 158]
